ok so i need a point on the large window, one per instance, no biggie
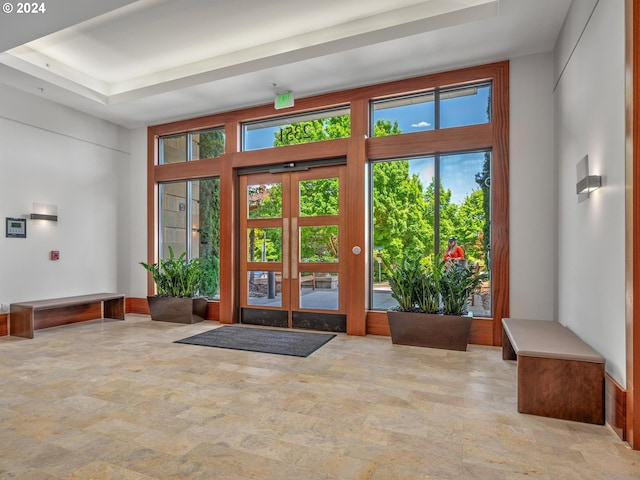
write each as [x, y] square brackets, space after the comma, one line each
[190, 222]
[419, 203]
[434, 149]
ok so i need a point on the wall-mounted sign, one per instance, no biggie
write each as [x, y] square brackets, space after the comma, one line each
[283, 100]
[16, 227]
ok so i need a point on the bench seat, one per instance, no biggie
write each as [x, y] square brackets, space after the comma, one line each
[25, 317]
[559, 375]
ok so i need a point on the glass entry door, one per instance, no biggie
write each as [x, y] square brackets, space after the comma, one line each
[291, 244]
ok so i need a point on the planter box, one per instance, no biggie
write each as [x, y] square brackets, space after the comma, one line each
[177, 309]
[449, 332]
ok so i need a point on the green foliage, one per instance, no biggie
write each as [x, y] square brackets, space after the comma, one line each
[400, 222]
[427, 289]
[432, 286]
[209, 285]
[177, 277]
[457, 281]
[483, 179]
[209, 229]
[403, 279]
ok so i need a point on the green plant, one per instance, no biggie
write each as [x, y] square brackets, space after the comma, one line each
[427, 289]
[403, 279]
[433, 286]
[457, 282]
[177, 277]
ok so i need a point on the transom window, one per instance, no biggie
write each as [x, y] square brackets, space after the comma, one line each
[435, 109]
[295, 129]
[189, 146]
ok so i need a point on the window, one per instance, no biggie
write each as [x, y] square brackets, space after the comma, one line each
[440, 108]
[191, 146]
[419, 203]
[296, 129]
[414, 113]
[189, 222]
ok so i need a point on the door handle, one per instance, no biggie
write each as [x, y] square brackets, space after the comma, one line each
[285, 248]
[294, 248]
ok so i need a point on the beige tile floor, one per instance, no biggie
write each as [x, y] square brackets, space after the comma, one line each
[119, 400]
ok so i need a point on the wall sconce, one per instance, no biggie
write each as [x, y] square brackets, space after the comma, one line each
[586, 183]
[44, 212]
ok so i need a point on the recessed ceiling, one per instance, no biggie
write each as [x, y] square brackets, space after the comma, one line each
[152, 61]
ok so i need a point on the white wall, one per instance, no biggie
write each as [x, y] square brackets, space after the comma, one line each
[532, 200]
[55, 155]
[590, 120]
[137, 212]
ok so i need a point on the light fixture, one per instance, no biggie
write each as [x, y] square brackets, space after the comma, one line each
[44, 212]
[586, 183]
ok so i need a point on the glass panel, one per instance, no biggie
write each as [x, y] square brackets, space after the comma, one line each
[174, 217]
[264, 201]
[173, 149]
[264, 244]
[403, 115]
[465, 106]
[292, 130]
[319, 244]
[206, 232]
[318, 290]
[319, 197]
[465, 215]
[403, 218]
[207, 144]
[265, 288]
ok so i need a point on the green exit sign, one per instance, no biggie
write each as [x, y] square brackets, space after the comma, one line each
[283, 100]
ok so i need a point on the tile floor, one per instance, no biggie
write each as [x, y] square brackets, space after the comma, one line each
[119, 400]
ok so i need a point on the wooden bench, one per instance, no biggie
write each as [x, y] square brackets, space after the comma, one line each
[25, 317]
[559, 375]
[308, 279]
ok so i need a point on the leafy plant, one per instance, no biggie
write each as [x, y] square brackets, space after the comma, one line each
[433, 286]
[456, 284]
[403, 280]
[177, 277]
[427, 289]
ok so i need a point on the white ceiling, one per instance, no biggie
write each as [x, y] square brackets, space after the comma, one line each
[146, 62]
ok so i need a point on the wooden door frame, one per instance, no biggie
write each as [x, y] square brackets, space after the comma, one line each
[633, 223]
[290, 221]
[359, 150]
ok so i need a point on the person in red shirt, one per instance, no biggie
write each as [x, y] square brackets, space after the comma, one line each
[454, 251]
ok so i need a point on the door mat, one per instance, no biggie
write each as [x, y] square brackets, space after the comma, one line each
[297, 344]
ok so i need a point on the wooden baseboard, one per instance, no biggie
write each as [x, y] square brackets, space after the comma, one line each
[136, 305]
[481, 328]
[377, 324]
[213, 311]
[141, 307]
[615, 407]
[4, 324]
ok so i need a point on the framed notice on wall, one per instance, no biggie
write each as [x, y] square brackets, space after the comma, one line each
[16, 227]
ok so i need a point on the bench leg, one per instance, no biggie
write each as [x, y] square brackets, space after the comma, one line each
[508, 353]
[21, 321]
[114, 309]
[565, 389]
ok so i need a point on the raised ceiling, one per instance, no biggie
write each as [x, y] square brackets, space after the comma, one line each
[144, 62]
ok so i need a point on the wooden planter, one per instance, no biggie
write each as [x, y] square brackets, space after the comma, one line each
[449, 332]
[177, 309]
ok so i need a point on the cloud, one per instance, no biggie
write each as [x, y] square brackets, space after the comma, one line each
[421, 124]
